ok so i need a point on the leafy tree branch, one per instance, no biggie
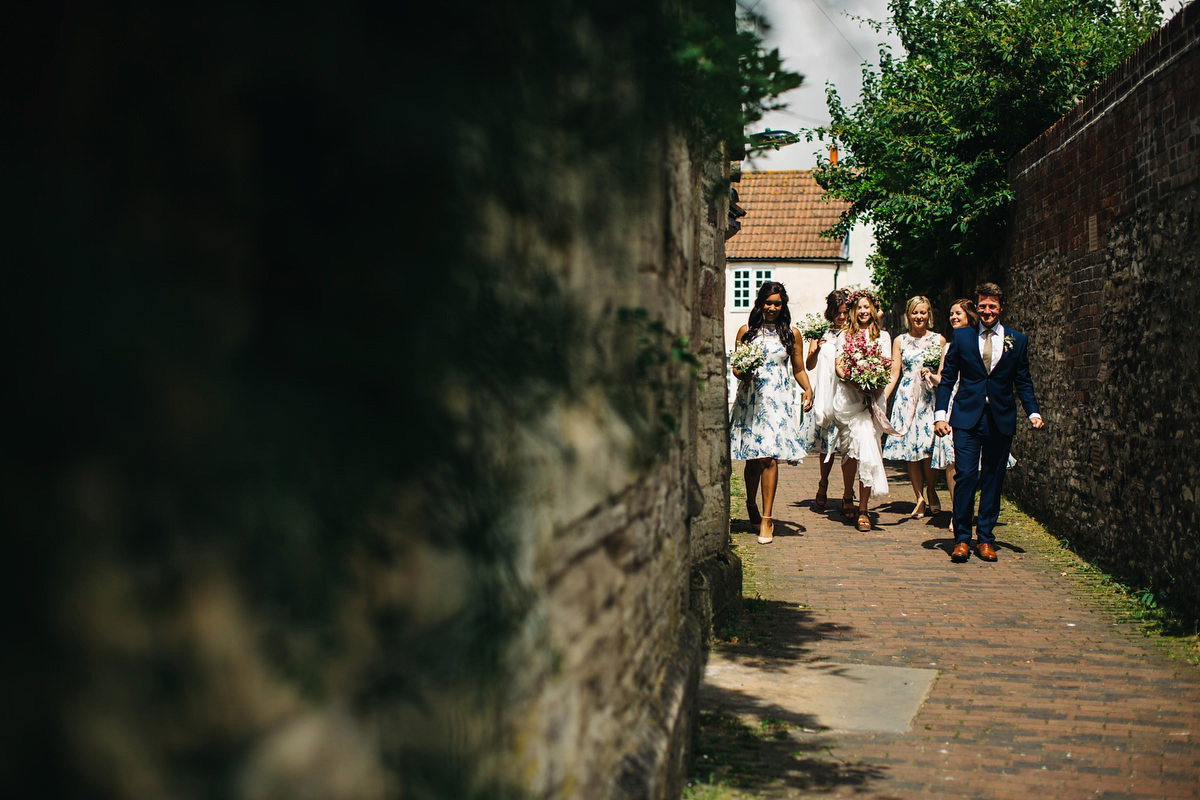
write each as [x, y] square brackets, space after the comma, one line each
[925, 149]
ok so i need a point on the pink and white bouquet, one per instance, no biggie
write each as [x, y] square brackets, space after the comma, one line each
[864, 362]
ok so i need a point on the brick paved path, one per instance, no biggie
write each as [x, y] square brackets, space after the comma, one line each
[1039, 692]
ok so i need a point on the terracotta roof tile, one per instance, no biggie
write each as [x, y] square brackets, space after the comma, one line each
[785, 212]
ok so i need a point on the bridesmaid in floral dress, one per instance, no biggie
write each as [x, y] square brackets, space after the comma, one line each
[912, 412]
[764, 424]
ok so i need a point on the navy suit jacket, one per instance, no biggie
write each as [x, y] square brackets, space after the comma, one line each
[977, 388]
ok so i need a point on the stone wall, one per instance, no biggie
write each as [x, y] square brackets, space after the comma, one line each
[1104, 273]
[370, 387]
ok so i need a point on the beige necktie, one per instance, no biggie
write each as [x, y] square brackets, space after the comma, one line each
[987, 349]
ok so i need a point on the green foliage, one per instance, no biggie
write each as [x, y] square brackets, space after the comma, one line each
[726, 79]
[926, 148]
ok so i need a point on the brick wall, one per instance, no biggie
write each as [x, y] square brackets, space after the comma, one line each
[1104, 274]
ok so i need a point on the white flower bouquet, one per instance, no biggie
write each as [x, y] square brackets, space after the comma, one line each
[747, 357]
[814, 326]
[932, 357]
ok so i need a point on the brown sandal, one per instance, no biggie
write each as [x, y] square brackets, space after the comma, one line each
[822, 495]
[848, 507]
[864, 522]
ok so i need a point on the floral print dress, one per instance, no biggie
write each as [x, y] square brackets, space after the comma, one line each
[912, 410]
[765, 419]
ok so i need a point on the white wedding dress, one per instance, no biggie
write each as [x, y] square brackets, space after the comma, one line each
[858, 435]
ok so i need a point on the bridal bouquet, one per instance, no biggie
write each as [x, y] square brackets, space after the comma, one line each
[932, 357]
[864, 363]
[814, 326]
[747, 357]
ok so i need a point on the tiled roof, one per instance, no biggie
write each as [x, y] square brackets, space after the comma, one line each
[785, 212]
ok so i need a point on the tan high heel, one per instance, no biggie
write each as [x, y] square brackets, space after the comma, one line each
[769, 525]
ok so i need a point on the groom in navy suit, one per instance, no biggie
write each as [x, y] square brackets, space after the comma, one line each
[987, 362]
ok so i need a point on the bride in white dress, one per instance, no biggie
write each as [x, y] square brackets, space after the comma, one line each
[858, 430]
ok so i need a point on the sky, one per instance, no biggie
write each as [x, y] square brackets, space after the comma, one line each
[820, 40]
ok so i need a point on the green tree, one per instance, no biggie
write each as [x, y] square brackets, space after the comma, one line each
[927, 145]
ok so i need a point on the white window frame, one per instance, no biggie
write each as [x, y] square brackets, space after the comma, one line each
[745, 287]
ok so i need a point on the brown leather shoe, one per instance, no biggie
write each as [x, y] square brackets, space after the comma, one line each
[986, 551]
[962, 551]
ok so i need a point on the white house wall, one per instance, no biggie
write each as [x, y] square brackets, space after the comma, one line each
[807, 284]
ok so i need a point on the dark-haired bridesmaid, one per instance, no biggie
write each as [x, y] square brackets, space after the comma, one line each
[764, 423]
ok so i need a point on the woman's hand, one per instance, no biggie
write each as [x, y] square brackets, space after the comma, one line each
[808, 400]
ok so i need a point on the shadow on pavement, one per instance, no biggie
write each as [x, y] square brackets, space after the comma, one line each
[729, 751]
[783, 527]
[773, 633]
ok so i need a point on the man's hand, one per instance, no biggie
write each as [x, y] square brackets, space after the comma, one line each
[941, 428]
[1034, 421]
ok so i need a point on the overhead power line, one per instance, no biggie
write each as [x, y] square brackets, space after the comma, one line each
[839, 30]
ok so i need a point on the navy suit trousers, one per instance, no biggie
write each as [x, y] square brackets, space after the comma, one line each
[980, 460]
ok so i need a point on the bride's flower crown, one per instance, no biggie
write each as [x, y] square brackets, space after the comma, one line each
[858, 295]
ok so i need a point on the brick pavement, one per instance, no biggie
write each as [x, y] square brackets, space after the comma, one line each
[1038, 689]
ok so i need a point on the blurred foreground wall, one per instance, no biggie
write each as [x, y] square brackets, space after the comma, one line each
[367, 411]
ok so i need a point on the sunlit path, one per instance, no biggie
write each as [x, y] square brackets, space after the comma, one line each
[1036, 688]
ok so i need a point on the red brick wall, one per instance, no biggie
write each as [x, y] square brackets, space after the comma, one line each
[1104, 274]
